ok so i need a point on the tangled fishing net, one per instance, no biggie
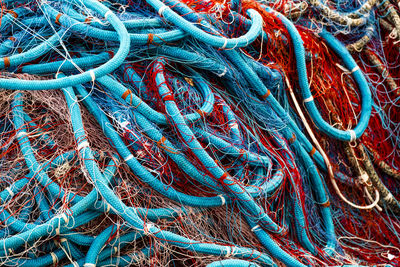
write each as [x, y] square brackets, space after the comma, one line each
[199, 133]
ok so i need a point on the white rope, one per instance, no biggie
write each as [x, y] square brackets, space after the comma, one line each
[234, 125]
[130, 156]
[225, 43]
[93, 75]
[308, 99]
[124, 124]
[356, 68]
[109, 12]
[223, 73]
[162, 9]
[353, 136]
[222, 199]
[61, 216]
[89, 265]
[54, 257]
[83, 145]
[21, 134]
[147, 228]
[58, 73]
[228, 252]
[344, 69]
[255, 228]
[390, 256]
[10, 191]
[364, 178]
